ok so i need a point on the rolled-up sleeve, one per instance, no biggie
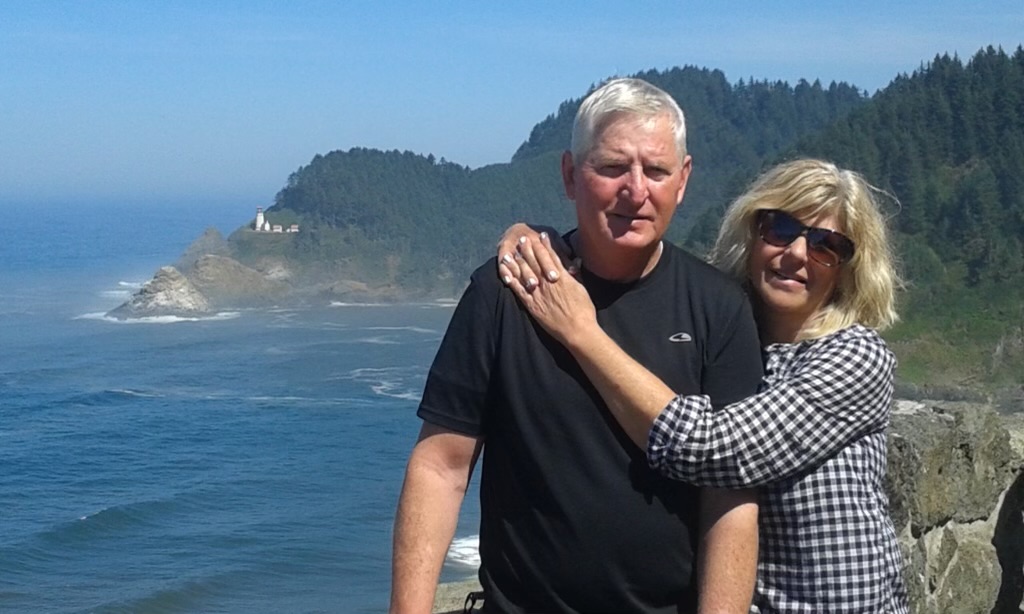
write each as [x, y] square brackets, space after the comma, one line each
[833, 391]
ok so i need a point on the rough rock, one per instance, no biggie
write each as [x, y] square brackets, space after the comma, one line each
[352, 291]
[950, 480]
[169, 293]
[211, 242]
[228, 283]
[947, 461]
[274, 270]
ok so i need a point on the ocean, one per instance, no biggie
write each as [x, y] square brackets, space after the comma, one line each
[245, 462]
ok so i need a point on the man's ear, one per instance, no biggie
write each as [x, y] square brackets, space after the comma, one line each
[687, 167]
[568, 180]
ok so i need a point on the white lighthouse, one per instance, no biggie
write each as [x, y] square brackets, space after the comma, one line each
[259, 219]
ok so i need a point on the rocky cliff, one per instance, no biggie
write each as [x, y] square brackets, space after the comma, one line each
[169, 293]
[956, 490]
[205, 279]
[228, 283]
[209, 277]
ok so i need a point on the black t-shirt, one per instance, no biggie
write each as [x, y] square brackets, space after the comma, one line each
[572, 518]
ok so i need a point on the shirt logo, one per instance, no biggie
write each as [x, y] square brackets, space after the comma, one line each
[680, 338]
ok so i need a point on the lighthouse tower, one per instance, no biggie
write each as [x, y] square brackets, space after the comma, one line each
[259, 218]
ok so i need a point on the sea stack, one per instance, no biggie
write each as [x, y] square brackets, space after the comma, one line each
[169, 293]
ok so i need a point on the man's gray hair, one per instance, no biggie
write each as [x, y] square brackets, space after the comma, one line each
[624, 96]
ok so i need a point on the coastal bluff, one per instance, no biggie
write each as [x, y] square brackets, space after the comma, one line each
[956, 489]
[211, 276]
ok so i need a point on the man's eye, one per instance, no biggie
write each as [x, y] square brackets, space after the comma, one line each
[614, 170]
[657, 172]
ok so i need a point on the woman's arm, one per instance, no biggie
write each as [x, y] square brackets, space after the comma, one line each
[839, 390]
[634, 395]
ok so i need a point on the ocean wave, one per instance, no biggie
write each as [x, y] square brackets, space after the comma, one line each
[118, 516]
[106, 521]
[344, 304]
[379, 340]
[128, 392]
[404, 383]
[188, 595]
[292, 399]
[118, 294]
[394, 335]
[111, 396]
[222, 315]
[411, 329]
[464, 552]
[444, 303]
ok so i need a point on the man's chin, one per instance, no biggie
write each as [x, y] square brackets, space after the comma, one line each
[633, 240]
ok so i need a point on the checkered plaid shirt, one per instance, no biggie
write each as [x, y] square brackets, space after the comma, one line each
[814, 439]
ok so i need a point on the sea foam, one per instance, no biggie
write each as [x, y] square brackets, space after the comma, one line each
[465, 552]
[404, 383]
[223, 315]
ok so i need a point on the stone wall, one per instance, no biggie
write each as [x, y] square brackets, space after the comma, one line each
[956, 491]
[955, 496]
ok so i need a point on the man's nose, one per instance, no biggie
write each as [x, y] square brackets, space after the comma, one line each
[636, 186]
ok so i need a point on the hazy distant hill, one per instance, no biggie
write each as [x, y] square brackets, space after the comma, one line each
[947, 141]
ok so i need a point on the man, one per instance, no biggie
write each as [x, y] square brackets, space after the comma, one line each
[572, 519]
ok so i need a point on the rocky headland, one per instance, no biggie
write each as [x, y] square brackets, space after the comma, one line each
[210, 277]
[956, 491]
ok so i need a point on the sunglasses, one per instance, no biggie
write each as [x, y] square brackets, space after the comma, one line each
[824, 246]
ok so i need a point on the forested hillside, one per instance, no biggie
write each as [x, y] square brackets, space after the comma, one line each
[424, 224]
[410, 221]
[732, 129]
[947, 142]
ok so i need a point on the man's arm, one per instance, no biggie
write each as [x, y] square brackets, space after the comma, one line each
[436, 479]
[727, 556]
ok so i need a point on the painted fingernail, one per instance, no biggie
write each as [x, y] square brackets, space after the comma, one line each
[506, 279]
[543, 236]
[531, 282]
[552, 275]
[522, 240]
[507, 258]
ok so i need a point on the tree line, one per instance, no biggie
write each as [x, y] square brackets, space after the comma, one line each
[946, 142]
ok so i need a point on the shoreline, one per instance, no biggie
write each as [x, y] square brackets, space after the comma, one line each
[451, 596]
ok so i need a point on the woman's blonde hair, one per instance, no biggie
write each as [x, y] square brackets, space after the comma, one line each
[866, 290]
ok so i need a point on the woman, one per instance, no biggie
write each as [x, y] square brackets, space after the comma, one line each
[809, 243]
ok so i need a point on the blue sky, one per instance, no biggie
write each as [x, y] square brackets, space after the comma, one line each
[157, 102]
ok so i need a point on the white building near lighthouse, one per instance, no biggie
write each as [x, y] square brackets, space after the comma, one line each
[262, 224]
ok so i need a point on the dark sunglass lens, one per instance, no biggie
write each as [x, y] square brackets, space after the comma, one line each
[829, 248]
[780, 229]
[842, 246]
[824, 253]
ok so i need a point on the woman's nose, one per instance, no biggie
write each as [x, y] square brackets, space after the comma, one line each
[798, 248]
